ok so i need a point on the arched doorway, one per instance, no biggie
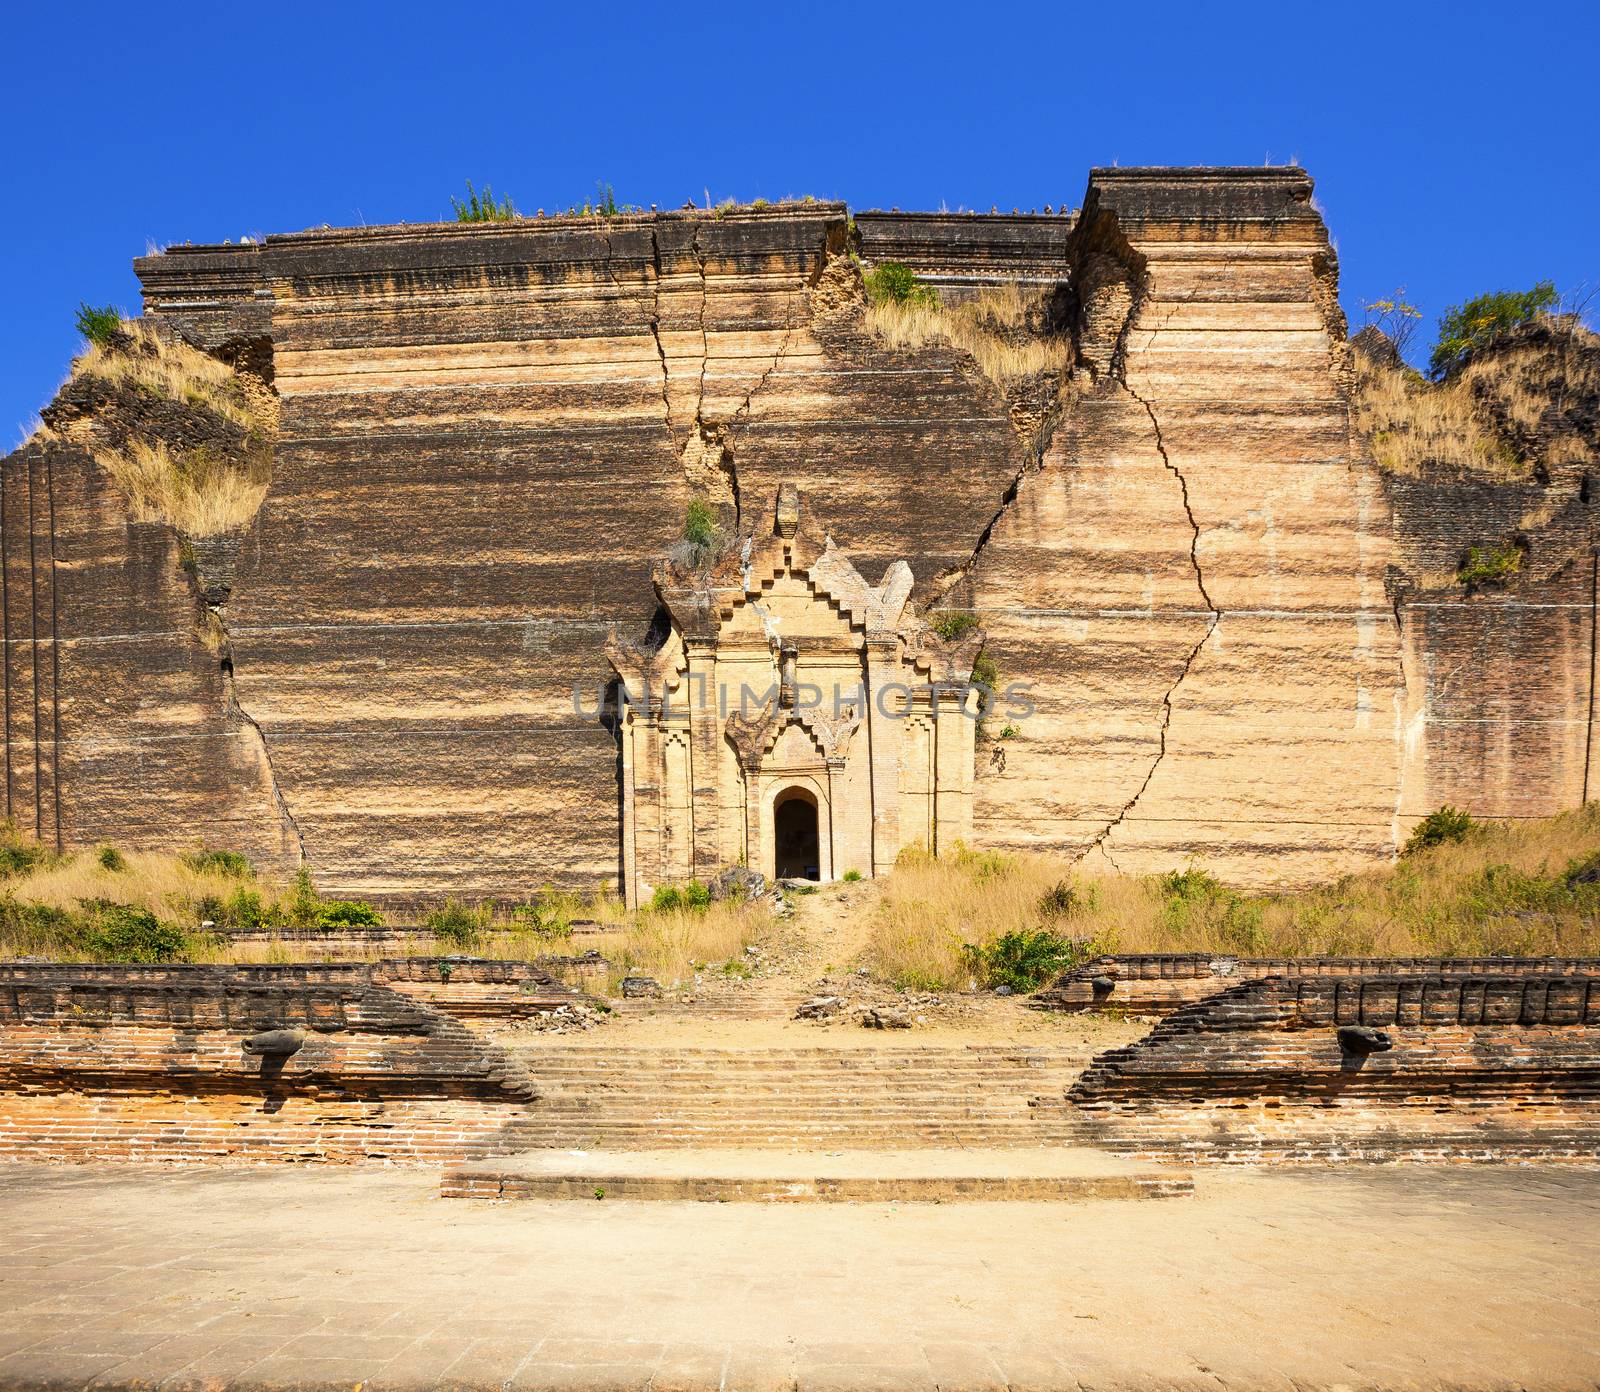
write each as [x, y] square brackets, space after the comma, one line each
[796, 847]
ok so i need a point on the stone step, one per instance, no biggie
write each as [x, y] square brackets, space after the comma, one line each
[844, 1138]
[774, 1077]
[761, 1175]
[862, 1053]
[804, 1090]
[911, 1111]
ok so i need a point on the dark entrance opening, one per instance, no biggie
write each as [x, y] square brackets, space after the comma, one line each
[794, 831]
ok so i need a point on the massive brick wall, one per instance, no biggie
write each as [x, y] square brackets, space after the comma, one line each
[1157, 983]
[1482, 1068]
[488, 432]
[128, 1063]
[1499, 684]
[487, 436]
[119, 721]
[1192, 576]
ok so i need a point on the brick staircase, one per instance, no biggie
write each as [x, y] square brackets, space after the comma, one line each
[872, 1097]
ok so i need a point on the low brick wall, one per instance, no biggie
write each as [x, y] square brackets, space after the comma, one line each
[1156, 983]
[146, 1063]
[357, 942]
[476, 989]
[1484, 1067]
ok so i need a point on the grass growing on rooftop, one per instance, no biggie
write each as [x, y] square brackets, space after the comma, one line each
[484, 207]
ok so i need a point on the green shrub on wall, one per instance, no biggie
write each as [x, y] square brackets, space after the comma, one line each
[98, 323]
[890, 282]
[1489, 566]
[1477, 323]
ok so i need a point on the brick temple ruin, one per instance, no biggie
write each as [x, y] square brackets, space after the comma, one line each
[466, 645]
[489, 434]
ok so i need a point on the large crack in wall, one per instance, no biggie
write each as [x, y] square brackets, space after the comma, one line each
[1108, 290]
[1098, 843]
[210, 595]
[258, 739]
[652, 318]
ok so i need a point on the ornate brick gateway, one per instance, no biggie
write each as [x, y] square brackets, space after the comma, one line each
[792, 717]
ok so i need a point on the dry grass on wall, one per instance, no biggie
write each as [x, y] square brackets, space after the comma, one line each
[174, 371]
[197, 493]
[201, 489]
[992, 328]
[1526, 380]
[1413, 424]
[1507, 888]
[1517, 391]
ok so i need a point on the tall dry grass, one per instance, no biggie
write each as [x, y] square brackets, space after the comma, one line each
[1532, 384]
[199, 490]
[174, 371]
[37, 887]
[1414, 424]
[160, 882]
[1508, 888]
[1525, 386]
[992, 328]
[672, 945]
[197, 493]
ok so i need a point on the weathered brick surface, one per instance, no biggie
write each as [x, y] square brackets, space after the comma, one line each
[485, 441]
[1483, 1067]
[474, 988]
[1157, 983]
[142, 1063]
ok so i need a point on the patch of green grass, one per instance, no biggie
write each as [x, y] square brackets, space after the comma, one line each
[890, 282]
[1489, 566]
[1197, 903]
[19, 856]
[98, 323]
[220, 863]
[549, 916]
[483, 207]
[700, 528]
[348, 913]
[693, 896]
[110, 858]
[851, 876]
[952, 623]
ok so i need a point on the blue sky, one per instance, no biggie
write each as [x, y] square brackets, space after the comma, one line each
[1456, 148]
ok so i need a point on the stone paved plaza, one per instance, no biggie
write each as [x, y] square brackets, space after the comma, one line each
[1360, 1278]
